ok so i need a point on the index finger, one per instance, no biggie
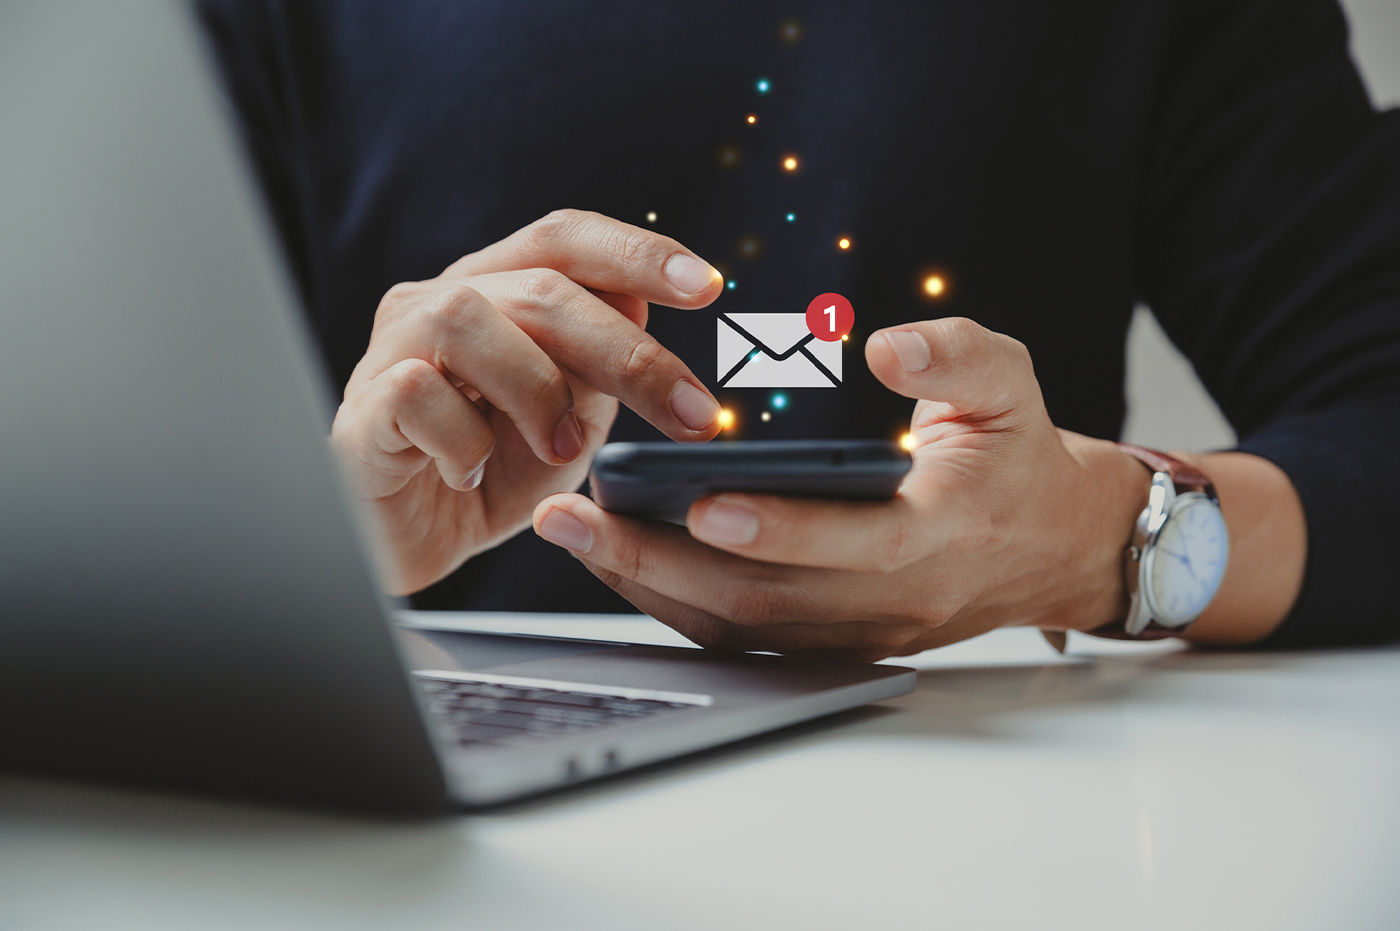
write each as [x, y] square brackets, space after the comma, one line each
[605, 350]
[605, 254]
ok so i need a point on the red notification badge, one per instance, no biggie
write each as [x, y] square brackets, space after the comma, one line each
[830, 316]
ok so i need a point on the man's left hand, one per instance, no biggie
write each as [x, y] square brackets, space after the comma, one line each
[1003, 520]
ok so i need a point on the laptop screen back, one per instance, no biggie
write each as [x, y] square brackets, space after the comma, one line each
[183, 596]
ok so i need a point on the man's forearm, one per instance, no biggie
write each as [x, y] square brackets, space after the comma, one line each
[1268, 548]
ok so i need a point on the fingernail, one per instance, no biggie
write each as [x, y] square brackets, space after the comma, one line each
[473, 480]
[911, 348]
[568, 438]
[696, 409]
[727, 522]
[689, 275]
[564, 529]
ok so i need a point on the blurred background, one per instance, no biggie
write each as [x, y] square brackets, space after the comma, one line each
[1167, 406]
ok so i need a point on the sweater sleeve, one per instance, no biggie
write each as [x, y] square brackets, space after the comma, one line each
[1269, 249]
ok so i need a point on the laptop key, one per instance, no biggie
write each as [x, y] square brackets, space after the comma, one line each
[490, 713]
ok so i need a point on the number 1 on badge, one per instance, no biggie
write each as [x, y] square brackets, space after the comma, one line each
[830, 317]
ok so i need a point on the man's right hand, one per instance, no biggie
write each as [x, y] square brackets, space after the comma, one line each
[488, 388]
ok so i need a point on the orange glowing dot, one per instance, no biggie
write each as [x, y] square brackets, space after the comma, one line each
[934, 286]
[843, 243]
[752, 118]
[790, 163]
[726, 418]
[844, 338]
[907, 441]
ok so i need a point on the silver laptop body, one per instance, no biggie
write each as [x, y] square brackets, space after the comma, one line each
[184, 596]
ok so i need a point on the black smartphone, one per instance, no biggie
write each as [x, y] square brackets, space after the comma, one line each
[661, 480]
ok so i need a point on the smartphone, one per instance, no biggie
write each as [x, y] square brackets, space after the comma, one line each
[661, 480]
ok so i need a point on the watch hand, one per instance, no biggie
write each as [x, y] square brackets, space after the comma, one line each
[1183, 560]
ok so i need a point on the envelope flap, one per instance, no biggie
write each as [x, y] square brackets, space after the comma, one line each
[777, 332]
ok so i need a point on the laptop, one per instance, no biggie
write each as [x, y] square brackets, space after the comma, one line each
[188, 598]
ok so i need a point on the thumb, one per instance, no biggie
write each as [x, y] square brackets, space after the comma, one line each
[954, 362]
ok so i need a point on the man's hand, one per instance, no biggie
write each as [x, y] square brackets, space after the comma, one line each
[1003, 519]
[489, 387]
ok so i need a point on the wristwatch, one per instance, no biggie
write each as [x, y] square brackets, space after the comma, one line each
[1176, 559]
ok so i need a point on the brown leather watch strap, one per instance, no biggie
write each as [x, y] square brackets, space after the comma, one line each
[1185, 477]
[1115, 630]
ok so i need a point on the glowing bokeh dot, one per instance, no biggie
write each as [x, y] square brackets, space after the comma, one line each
[845, 338]
[731, 285]
[843, 243]
[765, 416]
[789, 163]
[934, 285]
[752, 118]
[763, 86]
[725, 419]
[907, 441]
[792, 217]
[651, 216]
[779, 401]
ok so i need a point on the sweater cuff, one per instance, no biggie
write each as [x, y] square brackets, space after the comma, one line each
[1344, 462]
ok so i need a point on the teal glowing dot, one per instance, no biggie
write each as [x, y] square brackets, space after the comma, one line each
[763, 86]
[791, 217]
[779, 401]
[731, 285]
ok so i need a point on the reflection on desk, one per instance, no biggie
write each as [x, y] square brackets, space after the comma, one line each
[1119, 786]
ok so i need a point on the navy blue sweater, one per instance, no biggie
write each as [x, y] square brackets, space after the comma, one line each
[1057, 161]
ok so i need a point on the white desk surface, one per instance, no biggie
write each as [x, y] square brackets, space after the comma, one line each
[1121, 786]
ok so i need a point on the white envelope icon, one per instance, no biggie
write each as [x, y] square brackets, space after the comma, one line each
[773, 351]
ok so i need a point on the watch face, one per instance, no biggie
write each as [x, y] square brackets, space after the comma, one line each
[1188, 560]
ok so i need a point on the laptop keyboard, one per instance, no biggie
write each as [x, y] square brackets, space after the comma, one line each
[492, 713]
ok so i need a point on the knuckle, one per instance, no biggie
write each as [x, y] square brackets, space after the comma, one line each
[476, 442]
[551, 390]
[397, 299]
[940, 605]
[565, 215]
[404, 290]
[410, 381]
[544, 285]
[960, 328]
[896, 545]
[629, 559]
[555, 226]
[450, 312]
[896, 637]
[644, 359]
[630, 247]
[960, 339]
